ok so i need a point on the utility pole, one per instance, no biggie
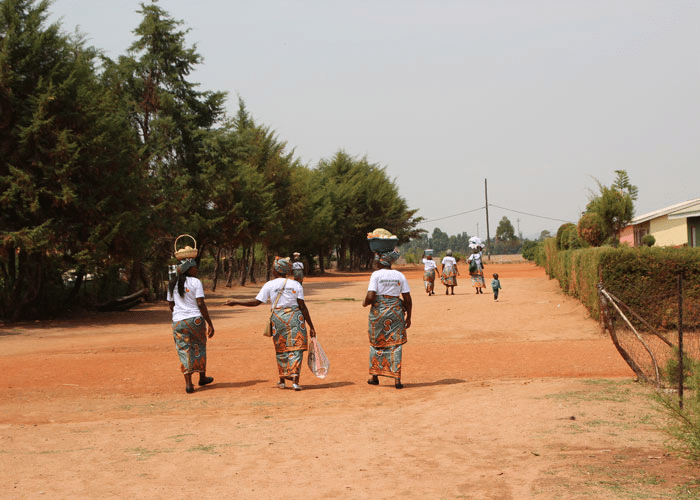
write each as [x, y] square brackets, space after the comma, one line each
[488, 235]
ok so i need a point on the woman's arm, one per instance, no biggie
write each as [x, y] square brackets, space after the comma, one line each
[369, 299]
[246, 303]
[205, 314]
[408, 306]
[305, 311]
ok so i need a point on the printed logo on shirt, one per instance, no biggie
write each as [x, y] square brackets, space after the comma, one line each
[389, 282]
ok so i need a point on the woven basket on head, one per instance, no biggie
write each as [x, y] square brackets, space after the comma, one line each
[187, 252]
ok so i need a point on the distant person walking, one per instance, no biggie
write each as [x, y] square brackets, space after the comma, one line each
[191, 323]
[298, 267]
[476, 264]
[429, 270]
[449, 272]
[495, 286]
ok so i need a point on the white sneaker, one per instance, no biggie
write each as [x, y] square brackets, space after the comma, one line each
[297, 387]
[281, 385]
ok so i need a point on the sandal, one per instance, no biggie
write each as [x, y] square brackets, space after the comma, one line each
[206, 380]
[373, 381]
[398, 385]
[189, 390]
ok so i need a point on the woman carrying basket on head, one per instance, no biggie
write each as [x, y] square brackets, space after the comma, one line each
[288, 321]
[191, 323]
[389, 317]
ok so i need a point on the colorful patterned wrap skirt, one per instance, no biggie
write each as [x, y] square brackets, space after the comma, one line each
[290, 339]
[478, 278]
[191, 342]
[387, 334]
[429, 279]
[449, 276]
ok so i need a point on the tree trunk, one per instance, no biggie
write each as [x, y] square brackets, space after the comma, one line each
[252, 262]
[216, 269]
[321, 262]
[244, 266]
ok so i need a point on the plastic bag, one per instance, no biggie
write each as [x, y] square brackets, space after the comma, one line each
[317, 359]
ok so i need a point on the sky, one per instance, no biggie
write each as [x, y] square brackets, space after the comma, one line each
[529, 103]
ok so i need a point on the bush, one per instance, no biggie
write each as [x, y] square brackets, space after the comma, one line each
[648, 240]
[564, 235]
[591, 229]
[530, 248]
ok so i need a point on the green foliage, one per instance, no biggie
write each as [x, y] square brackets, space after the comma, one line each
[106, 161]
[564, 235]
[614, 205]
[683, 424]
[505, 230]
[530, 249]
[648, 240]
[591, 229]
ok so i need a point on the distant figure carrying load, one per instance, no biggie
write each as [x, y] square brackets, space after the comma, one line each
[476, 264]
[449, 272]
[429, 272]
[297, 267]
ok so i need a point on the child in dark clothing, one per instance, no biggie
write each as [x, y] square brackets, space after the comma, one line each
[495, 286]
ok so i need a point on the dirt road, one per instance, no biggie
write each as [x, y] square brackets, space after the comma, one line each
[516, 399]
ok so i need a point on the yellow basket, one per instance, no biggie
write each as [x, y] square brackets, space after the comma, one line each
[186, 252]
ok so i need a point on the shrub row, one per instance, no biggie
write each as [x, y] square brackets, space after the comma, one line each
[644, 278]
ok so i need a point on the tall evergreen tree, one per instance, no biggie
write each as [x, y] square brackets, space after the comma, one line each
[172, 119]
[65, 159]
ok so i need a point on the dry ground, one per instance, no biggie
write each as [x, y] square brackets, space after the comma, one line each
[524, 398]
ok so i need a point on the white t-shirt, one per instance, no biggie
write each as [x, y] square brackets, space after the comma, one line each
[186, 307]
[297, 266]
[429, 264]
[449, 261]
[388, 282]
[292, 291]
[476, 257]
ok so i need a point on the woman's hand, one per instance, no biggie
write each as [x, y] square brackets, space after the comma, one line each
[312, 332]
[210, 333]
[230, 303]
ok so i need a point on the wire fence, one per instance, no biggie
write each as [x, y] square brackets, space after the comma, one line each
[659, 336]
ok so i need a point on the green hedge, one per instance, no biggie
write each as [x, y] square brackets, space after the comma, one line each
[644, 278]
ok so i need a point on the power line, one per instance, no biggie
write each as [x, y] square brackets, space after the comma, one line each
[502, 208]
[455, 215]
[531, 215]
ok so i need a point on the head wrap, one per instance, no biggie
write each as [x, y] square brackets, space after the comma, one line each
[385, 259]
[186, 265]
[282, 265]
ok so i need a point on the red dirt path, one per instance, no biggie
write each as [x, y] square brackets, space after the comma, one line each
[95, 407]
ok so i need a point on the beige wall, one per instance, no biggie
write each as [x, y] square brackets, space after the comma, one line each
[669, 232]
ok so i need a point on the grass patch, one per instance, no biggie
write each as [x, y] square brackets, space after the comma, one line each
[145, 453]
[608, 390]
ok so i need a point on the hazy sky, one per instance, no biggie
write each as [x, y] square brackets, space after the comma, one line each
[538, 97]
